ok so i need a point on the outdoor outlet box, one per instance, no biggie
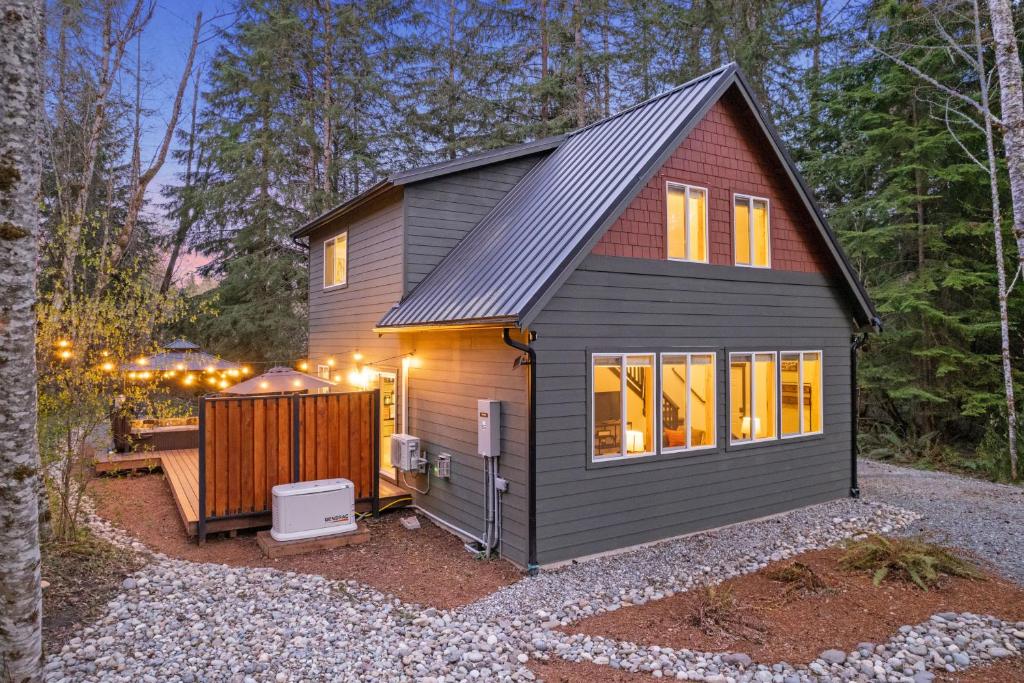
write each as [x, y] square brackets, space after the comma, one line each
[488, 428]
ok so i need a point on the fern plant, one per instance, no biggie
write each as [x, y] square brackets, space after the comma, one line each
[913, 559]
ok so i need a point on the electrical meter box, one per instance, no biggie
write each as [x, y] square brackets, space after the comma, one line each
[488, 428]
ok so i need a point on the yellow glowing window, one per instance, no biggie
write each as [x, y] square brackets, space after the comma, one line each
[752, 396]
[687, 223]
[687, 401]
[336, 260]
[801, 392]
[622, 405]
[752, 232]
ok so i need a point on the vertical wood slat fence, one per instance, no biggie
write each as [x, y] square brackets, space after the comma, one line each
[249, 444]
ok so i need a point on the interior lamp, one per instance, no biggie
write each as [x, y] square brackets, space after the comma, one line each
[634, 441]
[745, 426]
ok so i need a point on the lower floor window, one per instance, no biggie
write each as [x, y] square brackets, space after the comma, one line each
[752, 396]
[623, 405]
[687, 400]
[801, 392]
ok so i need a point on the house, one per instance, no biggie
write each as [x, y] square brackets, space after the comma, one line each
[669, 250]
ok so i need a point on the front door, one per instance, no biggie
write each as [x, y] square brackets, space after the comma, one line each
[386, 382]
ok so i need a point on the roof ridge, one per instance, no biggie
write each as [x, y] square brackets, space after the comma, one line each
[671, 91]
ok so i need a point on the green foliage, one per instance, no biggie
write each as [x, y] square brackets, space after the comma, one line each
[914, 213]
[909, 559]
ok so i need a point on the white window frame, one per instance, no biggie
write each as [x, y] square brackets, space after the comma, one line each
[714, 401]
[334, 238]
[623, 408]
[750, 199]
[753, 398]
[672, 184]
[800, 392]
[323, 371]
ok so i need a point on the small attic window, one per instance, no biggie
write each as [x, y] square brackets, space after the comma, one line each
[687, 222]
[336, 260]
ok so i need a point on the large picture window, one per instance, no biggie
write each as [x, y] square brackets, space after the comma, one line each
[336, 260]
[623, 405]
[801, 392]
[687, 223]
[752, 231]
[752, 396]
[687, 401]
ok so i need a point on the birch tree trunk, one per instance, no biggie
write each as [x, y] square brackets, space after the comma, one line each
[997, 223]
[21, 33]
[1011, 98]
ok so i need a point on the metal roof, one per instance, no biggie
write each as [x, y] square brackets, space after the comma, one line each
[519, 250]
[513, 261]
[418, 174]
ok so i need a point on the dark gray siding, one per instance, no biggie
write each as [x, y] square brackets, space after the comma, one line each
[341, 320]
[449, 372]
[439, 212]
[616, 304]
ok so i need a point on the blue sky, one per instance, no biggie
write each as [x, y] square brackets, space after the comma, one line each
[165, 46]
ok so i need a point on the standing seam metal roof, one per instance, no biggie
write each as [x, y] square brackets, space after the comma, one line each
[540, 231]
[505, 263]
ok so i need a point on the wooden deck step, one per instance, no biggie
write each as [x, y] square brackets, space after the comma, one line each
[113, 463]
[181, 467]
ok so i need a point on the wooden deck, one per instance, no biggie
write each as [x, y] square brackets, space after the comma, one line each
[181, 469]
[113, 463]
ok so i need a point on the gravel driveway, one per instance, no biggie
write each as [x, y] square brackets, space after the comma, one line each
[984, 518]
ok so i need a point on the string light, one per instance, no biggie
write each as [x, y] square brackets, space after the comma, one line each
[189, 379]
[180, 366]
[107, 367]
[65, 354]
[303, 365]
[330, 362]
[63, 343]
[246, 370]
[142, 360]
[264, 384]
[357, 356]
[223, 384]
[212, 380]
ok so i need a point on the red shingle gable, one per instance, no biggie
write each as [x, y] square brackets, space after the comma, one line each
[726, 153]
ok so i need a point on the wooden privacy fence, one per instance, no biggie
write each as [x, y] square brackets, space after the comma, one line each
[249, 444]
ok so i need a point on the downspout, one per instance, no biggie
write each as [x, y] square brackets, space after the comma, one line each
[857, 341]
[531, 456]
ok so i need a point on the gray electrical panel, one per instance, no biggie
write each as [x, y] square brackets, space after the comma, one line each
[488, 428]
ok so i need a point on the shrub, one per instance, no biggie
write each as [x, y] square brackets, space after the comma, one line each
[799, 578]
[718, 613]
[911, 559]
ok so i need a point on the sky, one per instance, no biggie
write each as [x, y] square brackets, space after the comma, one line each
[165, 45]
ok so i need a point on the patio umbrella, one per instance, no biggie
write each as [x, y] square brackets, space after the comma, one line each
[279, 380]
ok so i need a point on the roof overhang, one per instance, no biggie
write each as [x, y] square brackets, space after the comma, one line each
[491, 323]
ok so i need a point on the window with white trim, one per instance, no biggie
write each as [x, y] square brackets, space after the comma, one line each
[752, 232]
[687, 401]
[336, 260]
[752, 396]
[801, 382]
[323, 371]
[623, 405]
[687, 212]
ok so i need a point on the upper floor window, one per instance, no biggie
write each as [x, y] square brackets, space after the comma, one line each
[801, 392]
[687, 223]
[336, 260]
[752, 231]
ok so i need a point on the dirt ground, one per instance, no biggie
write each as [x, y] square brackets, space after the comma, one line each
[428, 566]
[82, 577]
[774, 625]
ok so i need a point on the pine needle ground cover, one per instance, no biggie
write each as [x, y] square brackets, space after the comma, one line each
[794, 609]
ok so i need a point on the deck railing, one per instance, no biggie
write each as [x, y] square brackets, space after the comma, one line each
[249, 444]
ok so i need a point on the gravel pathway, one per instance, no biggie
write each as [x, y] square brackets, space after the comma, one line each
[183, 622]
[979, 516]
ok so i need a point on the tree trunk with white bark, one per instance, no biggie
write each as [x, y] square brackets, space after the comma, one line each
[21, 33]
[1011, 98]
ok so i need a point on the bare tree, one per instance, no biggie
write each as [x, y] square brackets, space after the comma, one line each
[1011, 99]
[21, 32]
[186, 211]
